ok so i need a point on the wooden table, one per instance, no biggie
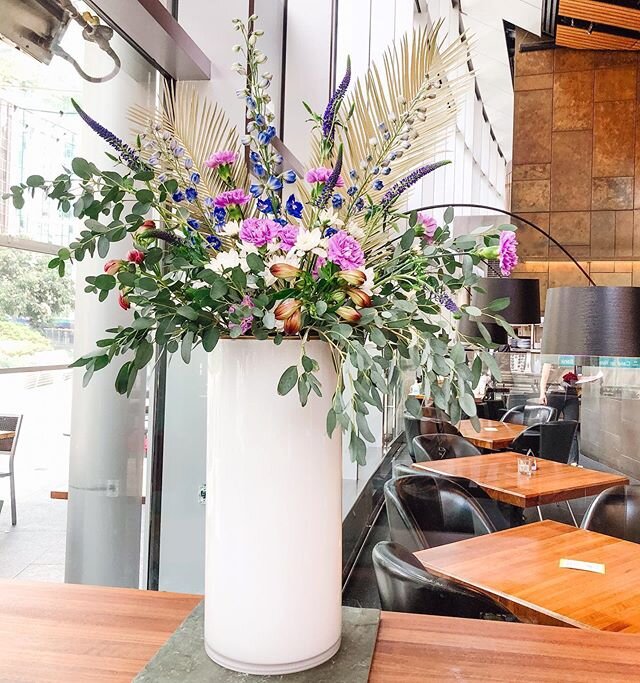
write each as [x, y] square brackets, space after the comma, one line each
[520, 568]
[57, 633]
[493, 434]
[6, 435]
[497, 474]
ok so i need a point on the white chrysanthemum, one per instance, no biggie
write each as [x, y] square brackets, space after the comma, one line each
[355, 230]
[367, 285]
[232, 228]
[224, 260]
[308, 239]
[329, 217]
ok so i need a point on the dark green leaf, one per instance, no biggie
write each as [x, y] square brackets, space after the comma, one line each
[81, 168]
[143, 323]
[144, 196]
[144, 353]
[187, 312]
[106, 282]
[255, 263]
[187, 344]
[407, 239]
[331, 421]
[358, 449]
[218, 289]
[288, 380]
[467, 404]
[149, 284]
[210, 339]
[499, 304]
[413, 406]
[307, 363]
[448, 215]
[35, 181]
[103, 246]
[122, 378]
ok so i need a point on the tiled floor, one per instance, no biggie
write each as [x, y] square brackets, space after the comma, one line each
[35, 547]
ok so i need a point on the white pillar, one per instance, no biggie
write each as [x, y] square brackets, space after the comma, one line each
[107, 430]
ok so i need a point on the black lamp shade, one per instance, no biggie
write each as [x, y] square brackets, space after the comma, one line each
[523, 308]
[592, 321]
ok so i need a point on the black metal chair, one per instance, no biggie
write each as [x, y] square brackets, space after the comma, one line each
[10, 423]
[405, 585]
[551, 441]
[441, 447]
[426, 511]
[529, 415]
[415, 426]
[491, 409]
[616, 512]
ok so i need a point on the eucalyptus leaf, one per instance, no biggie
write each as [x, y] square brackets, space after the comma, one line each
[288, 380]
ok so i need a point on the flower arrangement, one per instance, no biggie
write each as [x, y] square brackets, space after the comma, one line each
[229, 241]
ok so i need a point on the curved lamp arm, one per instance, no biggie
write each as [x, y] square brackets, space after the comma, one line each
[517, 217]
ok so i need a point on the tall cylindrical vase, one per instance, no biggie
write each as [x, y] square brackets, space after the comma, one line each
[274, 520]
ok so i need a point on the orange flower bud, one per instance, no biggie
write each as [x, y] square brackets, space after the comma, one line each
[113, 266]
[359, 298]
[349, 314]
[293, 323]
[123, 301]
[284, 271]
[353, 277]
[149, 225]
[286, 309]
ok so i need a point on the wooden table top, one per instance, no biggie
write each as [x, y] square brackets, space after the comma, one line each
[57, 633]
[520, 568]
[6, 435]
[497, 474]
[493, 434]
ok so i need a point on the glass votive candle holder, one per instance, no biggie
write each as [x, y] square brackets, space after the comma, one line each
[524, 465]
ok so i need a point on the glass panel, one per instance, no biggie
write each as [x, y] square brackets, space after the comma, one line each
[36, 311]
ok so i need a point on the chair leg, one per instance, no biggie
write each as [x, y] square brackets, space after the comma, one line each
[12, 484]
[540, 513]
[573, 517]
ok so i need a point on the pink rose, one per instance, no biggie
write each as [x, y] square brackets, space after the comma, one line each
[135, 256]
[113, 266]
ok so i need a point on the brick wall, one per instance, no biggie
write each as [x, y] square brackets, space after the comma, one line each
[576, 164]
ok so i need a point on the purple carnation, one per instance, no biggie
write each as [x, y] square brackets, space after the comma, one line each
[287, 234]
[236, 196]
[225, 157]
[507, 252]
[345, 251]
[259, 231]
[245, 323]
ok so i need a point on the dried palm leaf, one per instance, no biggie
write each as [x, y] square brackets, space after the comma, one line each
[200, 127]
[410, 112]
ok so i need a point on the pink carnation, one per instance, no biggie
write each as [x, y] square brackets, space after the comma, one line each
[259, 231]
[227, 157]
[321, 175]
[429, 224]
[507, 252]
[236, 196]
[345, 251]
[288, 234]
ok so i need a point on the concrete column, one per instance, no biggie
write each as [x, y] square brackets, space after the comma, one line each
[107, 430]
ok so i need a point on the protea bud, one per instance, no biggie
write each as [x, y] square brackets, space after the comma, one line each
[352, 277]
[113, 266]
[359, 298]
[293, 323]
[349, 314]
[123, 301]
[284, 271]
[135, 256]
[286, 309]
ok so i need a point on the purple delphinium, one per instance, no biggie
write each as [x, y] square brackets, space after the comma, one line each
[259, 231]
[402, 185]
[128, 155]
[330, 183]
[345, 251]
[507, 253]
[446, 301]
[328, 119]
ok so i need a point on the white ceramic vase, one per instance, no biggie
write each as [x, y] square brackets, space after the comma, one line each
[274, 520]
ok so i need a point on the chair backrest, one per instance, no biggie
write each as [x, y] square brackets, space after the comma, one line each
[529, 440]
[556, 440]
[10, 423]
[514, 415]
[425, 511]
[616, 512]
[405, 585]
[441, 447]
[535, 415]
[491, 409]
[415, 426]
[515, 399]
